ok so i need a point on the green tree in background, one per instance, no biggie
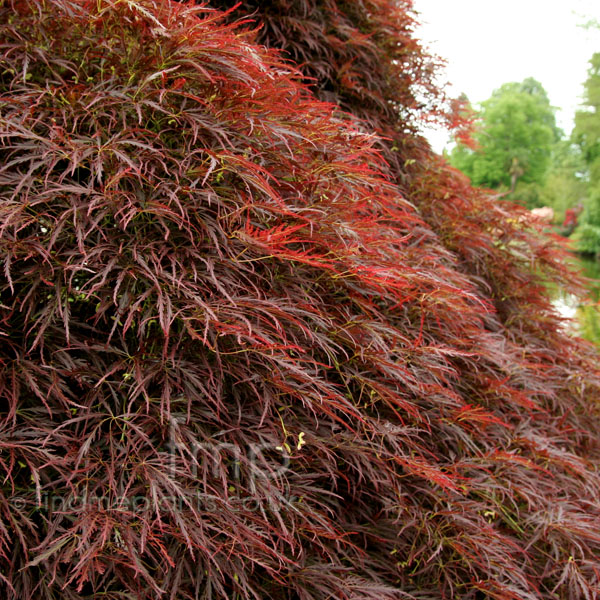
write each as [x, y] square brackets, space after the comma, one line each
[515, 139]
[565, 185]
[586, 135]
[587, 121]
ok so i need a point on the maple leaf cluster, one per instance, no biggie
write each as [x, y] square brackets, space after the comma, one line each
[256, 339]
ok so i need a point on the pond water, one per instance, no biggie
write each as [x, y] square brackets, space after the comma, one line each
[586, 313]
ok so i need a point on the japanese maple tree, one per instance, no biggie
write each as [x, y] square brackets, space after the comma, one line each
[252, 349]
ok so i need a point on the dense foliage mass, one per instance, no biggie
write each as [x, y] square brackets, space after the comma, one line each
[236, 361]
[586, 135]
[374, 39]
[587, 120]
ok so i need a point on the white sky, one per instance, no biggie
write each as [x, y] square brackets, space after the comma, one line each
[490, 42]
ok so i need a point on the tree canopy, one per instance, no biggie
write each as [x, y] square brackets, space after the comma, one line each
[587, 121]
[516, 132]
[586, 134]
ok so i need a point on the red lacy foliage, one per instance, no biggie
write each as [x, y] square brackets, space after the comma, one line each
[363, 56]
[204, 267]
